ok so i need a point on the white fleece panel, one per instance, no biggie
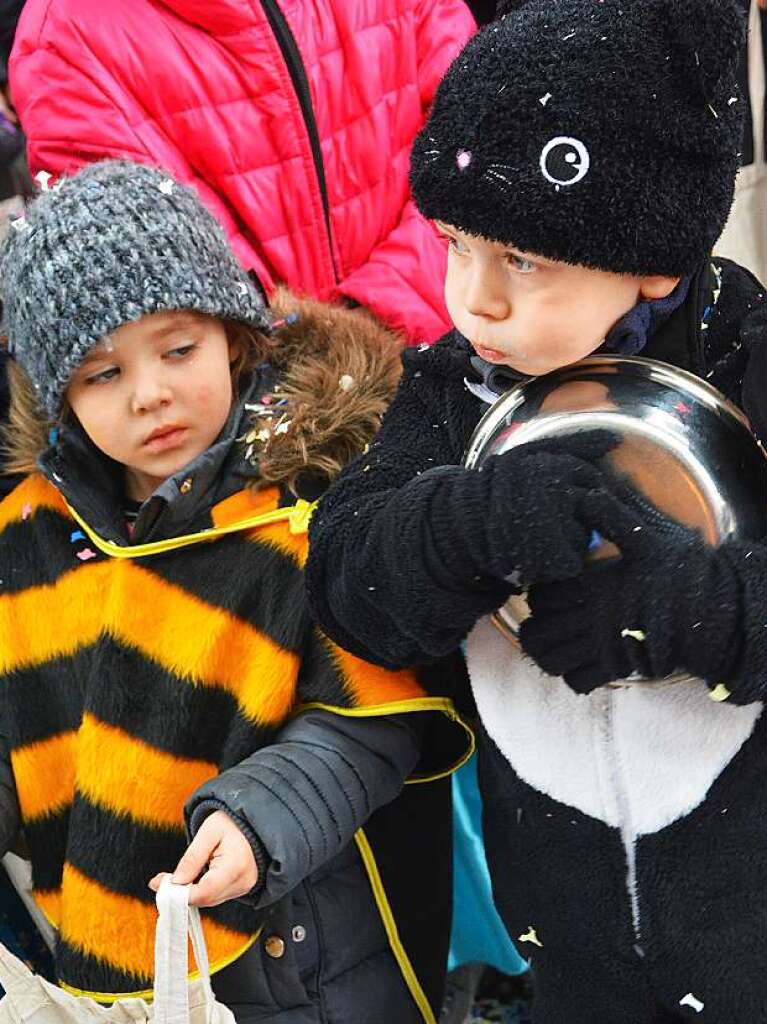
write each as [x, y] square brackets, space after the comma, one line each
[640, 756]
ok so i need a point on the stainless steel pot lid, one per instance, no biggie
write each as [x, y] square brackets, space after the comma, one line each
[682, 445]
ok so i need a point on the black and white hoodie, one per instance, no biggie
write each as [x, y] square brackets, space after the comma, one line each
[626, 830]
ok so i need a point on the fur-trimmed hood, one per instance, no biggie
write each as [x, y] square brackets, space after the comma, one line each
[336, 370]
[339, 369]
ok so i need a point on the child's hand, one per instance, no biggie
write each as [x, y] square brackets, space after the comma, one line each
[232, 870]
[533, 516]
[662, 606]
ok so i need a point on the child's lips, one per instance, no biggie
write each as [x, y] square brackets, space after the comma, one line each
[490, 355]
[165, 440]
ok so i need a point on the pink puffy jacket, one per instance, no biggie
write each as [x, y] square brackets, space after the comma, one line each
[293, 118]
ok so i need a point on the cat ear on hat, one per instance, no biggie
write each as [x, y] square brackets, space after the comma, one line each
[707, 37]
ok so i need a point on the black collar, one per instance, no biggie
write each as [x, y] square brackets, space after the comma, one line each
[93, 484]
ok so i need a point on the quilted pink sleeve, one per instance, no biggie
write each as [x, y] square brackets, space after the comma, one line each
[444, 27]
[402, 282]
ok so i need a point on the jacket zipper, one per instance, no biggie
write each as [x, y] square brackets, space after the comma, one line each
[623, 807]
[295, 65]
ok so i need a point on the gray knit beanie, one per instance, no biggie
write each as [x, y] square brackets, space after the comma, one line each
[114, 242]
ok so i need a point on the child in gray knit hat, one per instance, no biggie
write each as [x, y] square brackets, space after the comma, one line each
[161, 678]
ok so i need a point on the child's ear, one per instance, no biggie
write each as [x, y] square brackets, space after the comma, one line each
[236, 349]
[655, 286]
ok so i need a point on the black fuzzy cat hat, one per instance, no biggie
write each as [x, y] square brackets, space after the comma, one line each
[598, 132]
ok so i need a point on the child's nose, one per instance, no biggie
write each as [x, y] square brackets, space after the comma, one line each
[149, 394]
[486, 298]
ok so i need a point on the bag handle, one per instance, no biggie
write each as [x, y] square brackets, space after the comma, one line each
[178, 920]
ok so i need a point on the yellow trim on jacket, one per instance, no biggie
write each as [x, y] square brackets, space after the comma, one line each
[390, 926]
[297, 516]
[401, 707]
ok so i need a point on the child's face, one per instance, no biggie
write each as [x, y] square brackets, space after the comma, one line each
[531, 313]
[155, 395]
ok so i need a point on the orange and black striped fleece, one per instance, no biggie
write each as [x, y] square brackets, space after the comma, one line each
[126, 683]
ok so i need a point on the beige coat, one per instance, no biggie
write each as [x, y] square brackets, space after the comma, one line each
[744, 238]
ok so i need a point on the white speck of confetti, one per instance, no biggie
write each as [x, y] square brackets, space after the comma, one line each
[531, 936]
[713, 111]
[242, 289]
[570, 36]
[424, 346]
[635, 634]
[19, 224]
[346, 382]
[42, 178]
[731, 100]
[690, 1000]
[545, 99]
[166, 186]
[282, 428]
[720, 693]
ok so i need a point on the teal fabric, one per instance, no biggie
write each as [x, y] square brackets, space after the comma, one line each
[478, 932]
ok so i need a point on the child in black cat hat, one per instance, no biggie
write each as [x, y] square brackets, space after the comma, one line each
[580, 159]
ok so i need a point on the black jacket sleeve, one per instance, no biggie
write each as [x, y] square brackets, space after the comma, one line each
[301, 800]
[10, 816]
[397, 569]
[408, 549]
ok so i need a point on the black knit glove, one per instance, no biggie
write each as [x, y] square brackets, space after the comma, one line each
[668, 603]
[518, 517]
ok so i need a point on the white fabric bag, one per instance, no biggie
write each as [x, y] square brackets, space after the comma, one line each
[30, 999]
